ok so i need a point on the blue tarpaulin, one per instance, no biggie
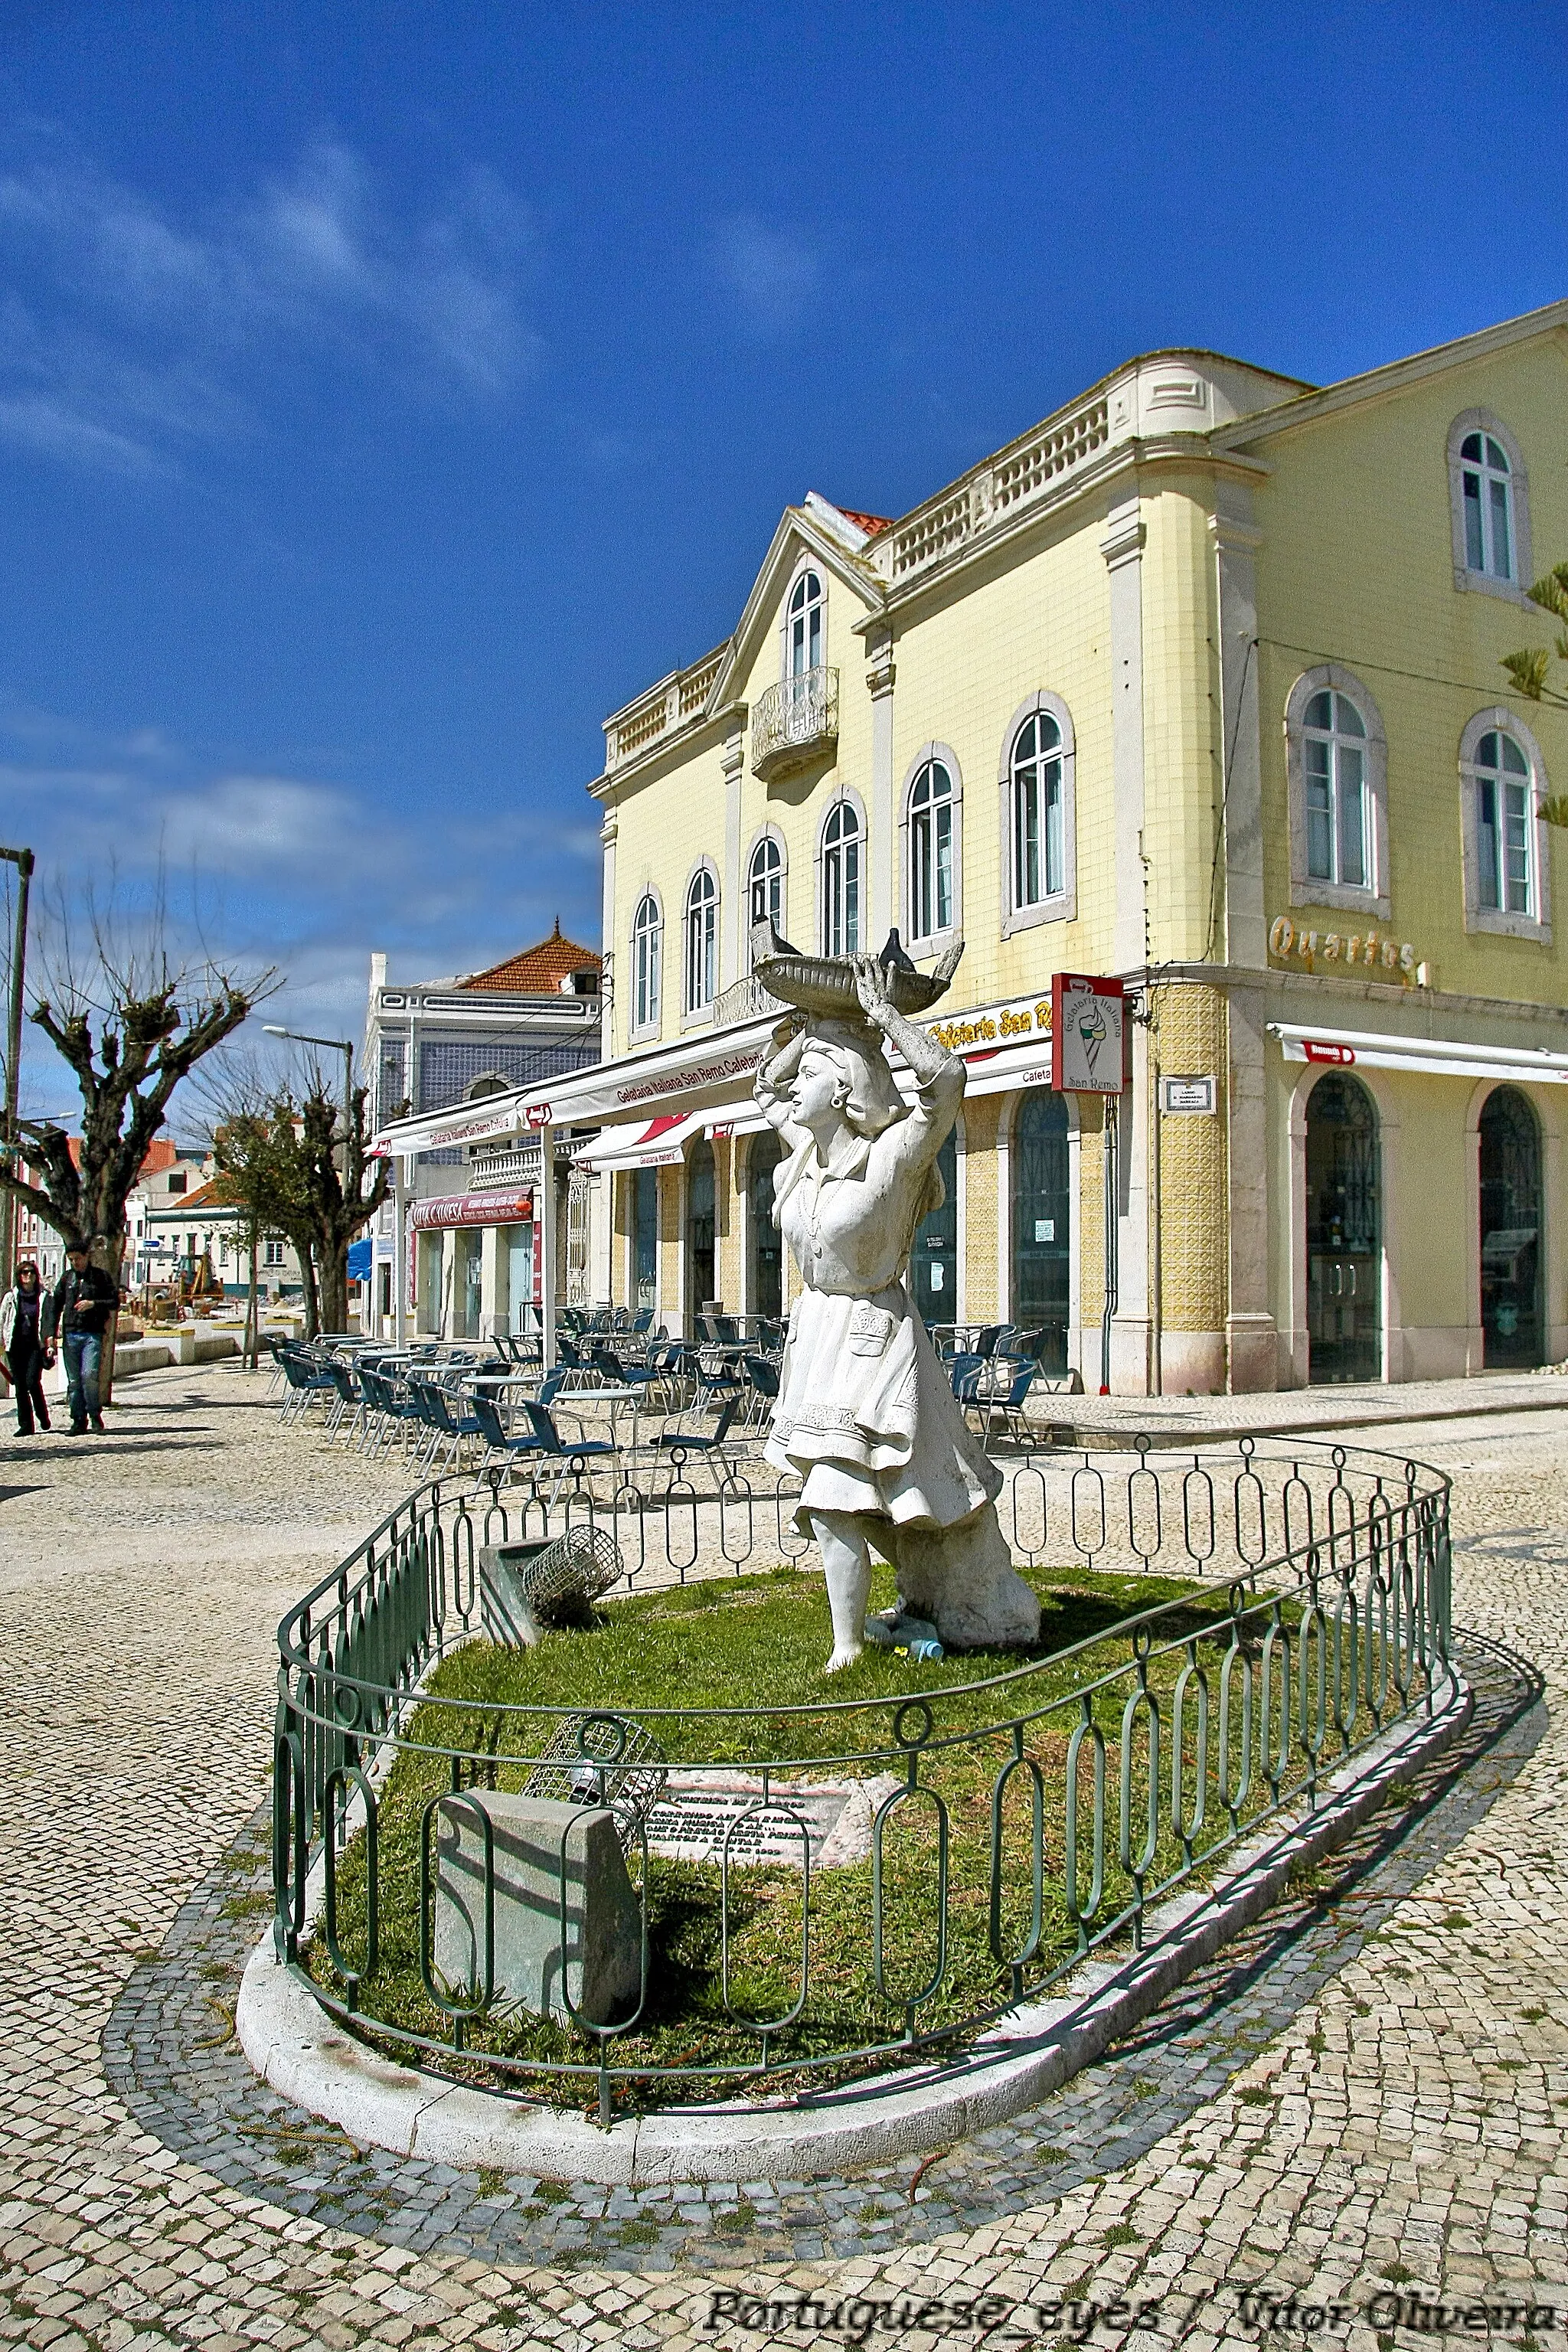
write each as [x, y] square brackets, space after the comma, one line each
[361, 1255]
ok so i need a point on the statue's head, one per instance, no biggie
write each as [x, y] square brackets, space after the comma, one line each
[845, 1057]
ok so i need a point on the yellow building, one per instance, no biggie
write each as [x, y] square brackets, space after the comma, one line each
[1197, 684]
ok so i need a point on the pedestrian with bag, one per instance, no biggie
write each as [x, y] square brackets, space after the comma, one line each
[26, 1348]
[78, 1311]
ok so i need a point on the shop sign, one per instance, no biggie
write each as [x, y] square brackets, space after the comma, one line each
[472, 1209]
[1087, 1027]
[1187, 1095]
[1367, 949]
[1030, 1017]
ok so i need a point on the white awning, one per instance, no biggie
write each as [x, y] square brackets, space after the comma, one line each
[702, 1071]
[1432, 1057]
[487, 1120]
[996, 1070]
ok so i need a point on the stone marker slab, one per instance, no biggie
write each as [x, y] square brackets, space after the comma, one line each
[599, 1963]
[689, 1822]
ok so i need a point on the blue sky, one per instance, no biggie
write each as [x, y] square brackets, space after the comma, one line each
[387, 393]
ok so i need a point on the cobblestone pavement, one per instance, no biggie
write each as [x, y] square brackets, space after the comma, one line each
[1364, 2100]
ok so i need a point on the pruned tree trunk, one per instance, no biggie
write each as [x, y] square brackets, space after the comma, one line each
[334, 1279]
[251, 1352]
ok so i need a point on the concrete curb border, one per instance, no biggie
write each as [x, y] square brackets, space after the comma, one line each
[308, 2058]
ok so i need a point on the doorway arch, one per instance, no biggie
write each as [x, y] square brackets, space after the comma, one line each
[1042, 1222]
[1510, 1196]
[1344, 1232]
[764, 1285]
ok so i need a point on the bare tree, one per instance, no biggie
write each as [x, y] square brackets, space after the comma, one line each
[298, 1169]
[130, 1020]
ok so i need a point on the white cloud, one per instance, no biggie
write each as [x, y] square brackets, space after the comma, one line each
[771, 273]
[127, 337]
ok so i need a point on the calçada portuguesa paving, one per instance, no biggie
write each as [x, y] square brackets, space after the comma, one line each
[1363, 2104]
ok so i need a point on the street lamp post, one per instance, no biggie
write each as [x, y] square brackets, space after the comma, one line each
[22, 859]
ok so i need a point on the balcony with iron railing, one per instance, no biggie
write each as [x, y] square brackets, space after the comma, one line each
[795, 722]
[516, 1164]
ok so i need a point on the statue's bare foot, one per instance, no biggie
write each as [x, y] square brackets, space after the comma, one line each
[842, 1658]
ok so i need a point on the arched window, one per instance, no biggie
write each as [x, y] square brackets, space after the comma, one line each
[1337, 763]
[1333, 763]
[702, 939]
[1039, 863]
[1490, 495]
[931, 851]
[803, 637]
[765, 884]
[1505, 825]
[1486, 488]
[648, 940]
[841, 880]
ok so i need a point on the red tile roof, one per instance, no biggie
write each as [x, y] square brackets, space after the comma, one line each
[537, 971]
[869, 524]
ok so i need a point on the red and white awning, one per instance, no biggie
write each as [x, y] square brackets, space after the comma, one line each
[1432, 1057]
[655, 1143]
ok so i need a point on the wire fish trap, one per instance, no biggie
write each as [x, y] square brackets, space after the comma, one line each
[602, 1760]
[527, 1588]
[824, 985]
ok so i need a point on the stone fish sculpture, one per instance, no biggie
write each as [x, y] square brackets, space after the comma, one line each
[865, 1415]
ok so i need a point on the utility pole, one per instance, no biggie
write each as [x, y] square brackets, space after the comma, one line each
[22, 859]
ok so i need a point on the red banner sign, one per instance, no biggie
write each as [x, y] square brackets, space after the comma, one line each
[473, 1209]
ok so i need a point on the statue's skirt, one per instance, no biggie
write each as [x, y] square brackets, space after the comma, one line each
[866, 1420]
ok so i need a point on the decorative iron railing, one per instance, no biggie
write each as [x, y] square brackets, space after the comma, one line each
[1011, 1823]
[794, 722]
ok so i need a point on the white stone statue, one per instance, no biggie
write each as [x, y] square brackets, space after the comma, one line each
[865, 1413]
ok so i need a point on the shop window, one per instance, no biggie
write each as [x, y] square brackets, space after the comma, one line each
[1337, 765]
[764, 883]
[765, 1239]
[1505, 859]
[933, 1258]
[645, 1236]
[1038, 823]
[842, 838]
[702, 939]
[932, 806]
[1040, 1165]
[700, 1230]
[648, 942]
[1510, 1196]
[1490, 500]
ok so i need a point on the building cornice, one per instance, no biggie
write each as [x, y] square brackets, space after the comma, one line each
[1399, 375]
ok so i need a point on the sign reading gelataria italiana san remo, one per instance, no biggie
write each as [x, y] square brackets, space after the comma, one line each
[1196, 685]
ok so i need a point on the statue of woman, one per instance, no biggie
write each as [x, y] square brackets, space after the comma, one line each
[865, 1415]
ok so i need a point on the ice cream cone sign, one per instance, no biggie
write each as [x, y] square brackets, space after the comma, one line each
[1087, 1016]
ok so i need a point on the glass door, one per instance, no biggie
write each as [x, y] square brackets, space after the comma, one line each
[1344, 1235]
[1042, 1231]
[1510, 1233]
[767, 1242]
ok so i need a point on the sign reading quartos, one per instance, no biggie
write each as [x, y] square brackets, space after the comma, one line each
[1367, 949]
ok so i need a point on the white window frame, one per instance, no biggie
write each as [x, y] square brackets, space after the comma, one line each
[1061, 906]
[1486, 583]
[699, 968]
[930, 941]
[1370, 897]
[808, 568]
[770, 837]
[1537, 924]
[852, 801]
[648, 1025]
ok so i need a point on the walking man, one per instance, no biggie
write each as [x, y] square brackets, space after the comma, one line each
[79, 1308]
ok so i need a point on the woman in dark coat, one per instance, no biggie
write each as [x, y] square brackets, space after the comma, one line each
[25, 1350]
